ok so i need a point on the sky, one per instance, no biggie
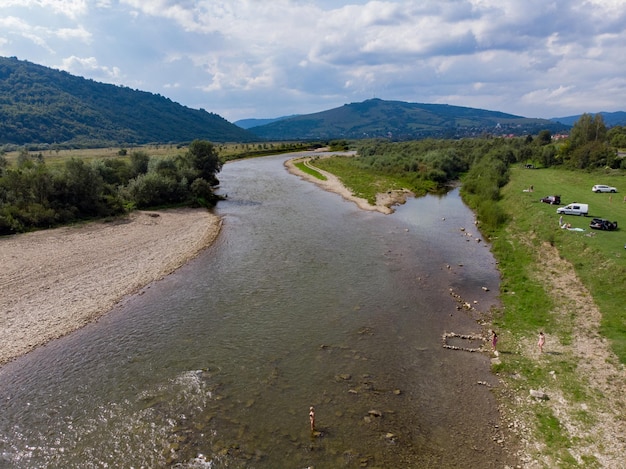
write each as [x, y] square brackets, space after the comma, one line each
[271, 58]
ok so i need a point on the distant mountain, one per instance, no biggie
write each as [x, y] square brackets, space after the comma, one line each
[249, 123]
[400, 120]
[611, 119]
[43, 105]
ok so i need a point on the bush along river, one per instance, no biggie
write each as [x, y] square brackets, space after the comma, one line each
[304, 300]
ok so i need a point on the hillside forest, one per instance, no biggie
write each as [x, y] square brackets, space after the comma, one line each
[40, 106]
[35, 195]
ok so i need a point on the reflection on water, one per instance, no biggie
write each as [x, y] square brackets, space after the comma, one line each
[303, 300]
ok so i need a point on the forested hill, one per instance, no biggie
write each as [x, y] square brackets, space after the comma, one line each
[42, 105]
[400, 120]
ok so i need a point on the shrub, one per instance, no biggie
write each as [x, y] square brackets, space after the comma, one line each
[153, 189]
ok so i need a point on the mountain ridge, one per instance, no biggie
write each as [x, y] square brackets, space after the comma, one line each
[400, 120]
[42, 105]
[611, 119]
[256, 122]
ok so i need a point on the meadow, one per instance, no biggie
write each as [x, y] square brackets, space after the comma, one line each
[598, 257]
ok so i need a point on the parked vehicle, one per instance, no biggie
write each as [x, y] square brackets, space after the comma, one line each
[574, 209]
[603, 188]
[551, 199]
[602, 224]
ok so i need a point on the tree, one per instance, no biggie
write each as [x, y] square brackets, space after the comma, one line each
[617, 136]
[544, 137]
[204, 158]
[587, 144]
[588, 129]
[79, 188]
[139, 162]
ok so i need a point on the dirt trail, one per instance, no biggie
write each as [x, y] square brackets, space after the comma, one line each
[598, 428]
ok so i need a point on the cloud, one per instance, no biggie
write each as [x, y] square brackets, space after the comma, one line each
[281, 57]
[89, 66]
[69, 8]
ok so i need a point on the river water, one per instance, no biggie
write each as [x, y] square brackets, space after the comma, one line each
[303, 300]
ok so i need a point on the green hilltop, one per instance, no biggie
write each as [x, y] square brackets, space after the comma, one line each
[40, 105]
[398, 120]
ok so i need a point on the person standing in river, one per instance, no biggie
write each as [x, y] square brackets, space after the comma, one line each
[494, 340]
[312, 418]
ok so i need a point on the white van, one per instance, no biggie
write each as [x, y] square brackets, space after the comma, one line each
[574, 209]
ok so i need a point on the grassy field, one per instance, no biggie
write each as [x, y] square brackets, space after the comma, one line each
[529, 305]
[56, 157]
[599, 257]
[226, 151]
[302, 166]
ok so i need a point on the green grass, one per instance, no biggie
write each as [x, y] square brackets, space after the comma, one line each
[54, 157]
[226, 151]
[598, 257]
[308, 170]
[365, 183]
[549, 426]
[600, 263]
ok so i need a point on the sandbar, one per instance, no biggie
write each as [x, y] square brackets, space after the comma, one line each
[55, 281]
[384, 201]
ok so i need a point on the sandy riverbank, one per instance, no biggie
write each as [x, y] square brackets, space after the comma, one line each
[384, 202]
[53, 282]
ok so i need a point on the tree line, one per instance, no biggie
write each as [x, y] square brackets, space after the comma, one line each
[36, 195]
[483, 163]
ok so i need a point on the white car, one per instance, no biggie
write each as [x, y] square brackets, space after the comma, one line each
[603, 188]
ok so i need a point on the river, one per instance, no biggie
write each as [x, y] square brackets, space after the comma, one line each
[303, 300]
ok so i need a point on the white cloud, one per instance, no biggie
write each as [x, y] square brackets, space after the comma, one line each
[69, 8]
[89, 67]
[282, 57]
[74, 33]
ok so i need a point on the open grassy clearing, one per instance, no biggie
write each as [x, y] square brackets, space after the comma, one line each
[57, 157]
[570, 285]
[599, 257]
[226, 151]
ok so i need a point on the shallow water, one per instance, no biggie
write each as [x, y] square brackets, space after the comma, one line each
[303, 300]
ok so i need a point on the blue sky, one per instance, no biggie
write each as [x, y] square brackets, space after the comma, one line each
[270, 58]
